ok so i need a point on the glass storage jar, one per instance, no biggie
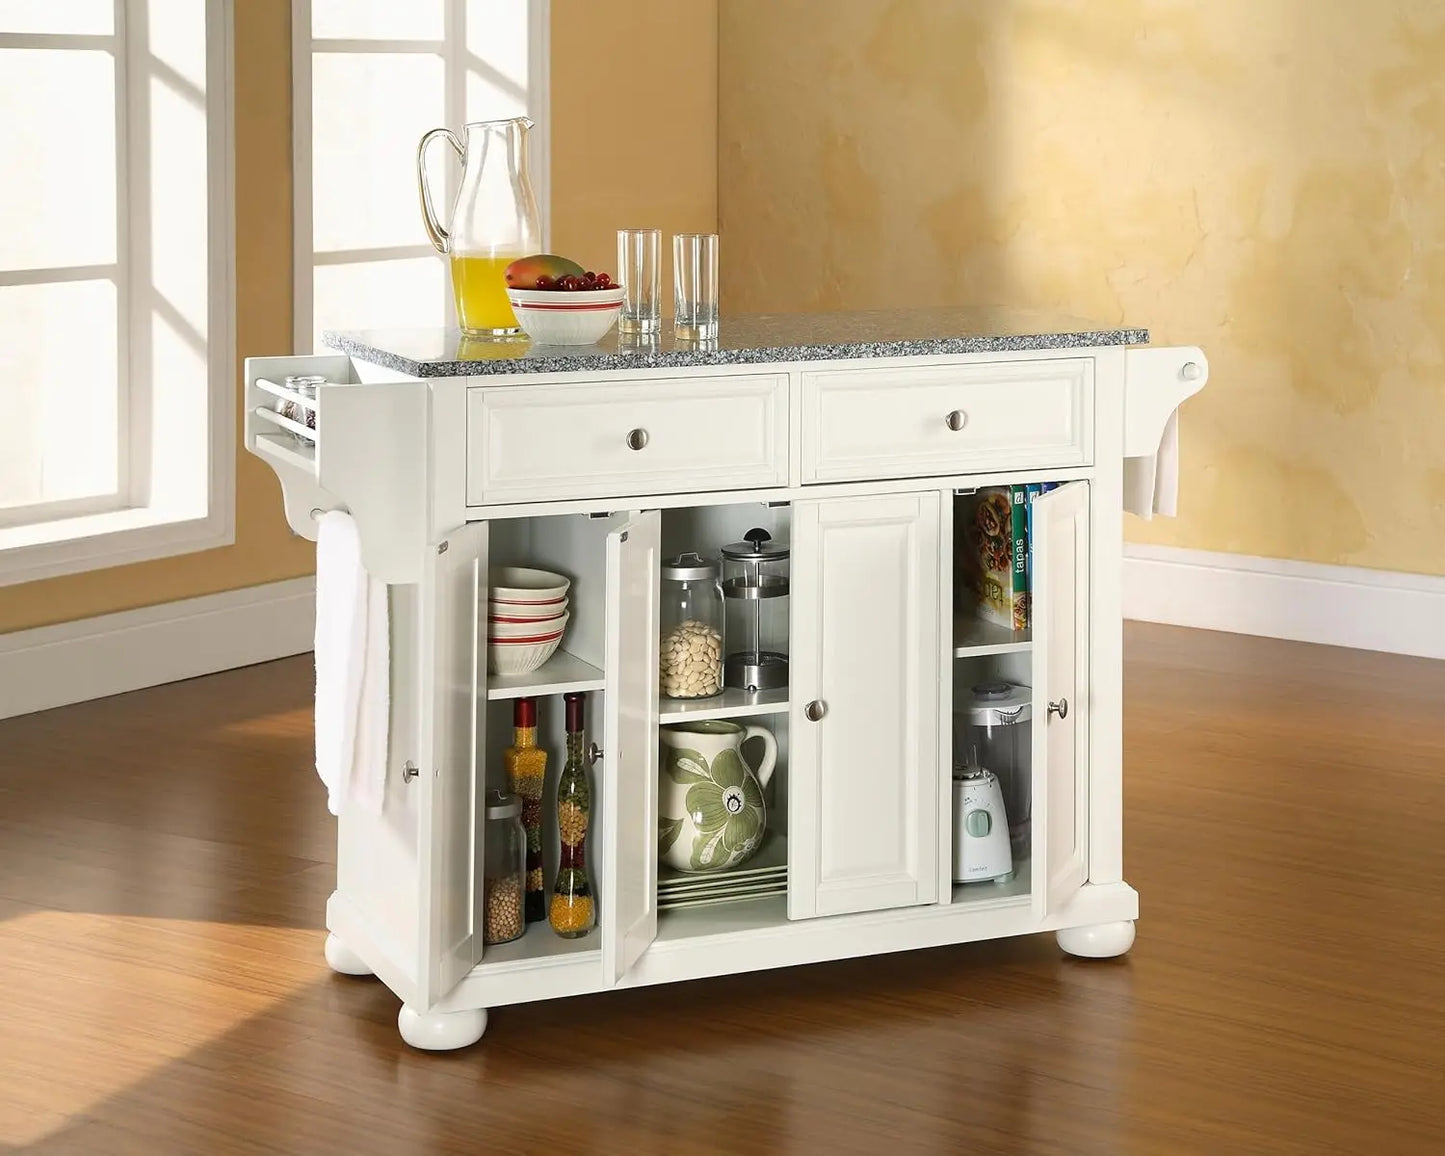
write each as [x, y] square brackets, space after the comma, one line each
[690, 651]
[755, 590]
[504, 869]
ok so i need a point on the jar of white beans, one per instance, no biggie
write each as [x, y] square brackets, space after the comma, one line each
[690, 651]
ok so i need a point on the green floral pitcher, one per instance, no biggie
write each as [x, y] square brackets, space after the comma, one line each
[711, 815]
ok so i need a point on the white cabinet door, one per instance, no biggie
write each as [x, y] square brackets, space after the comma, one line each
[628, 772]
[449, 823]
[1061, 695]
[863, 775]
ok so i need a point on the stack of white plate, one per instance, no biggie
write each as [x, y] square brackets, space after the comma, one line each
[526, 618]
[766, 873]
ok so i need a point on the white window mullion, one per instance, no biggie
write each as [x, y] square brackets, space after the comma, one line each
[454, 73]
[303, 240]
[128, 375]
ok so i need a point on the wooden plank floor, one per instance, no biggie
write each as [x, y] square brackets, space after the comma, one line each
[165, 856]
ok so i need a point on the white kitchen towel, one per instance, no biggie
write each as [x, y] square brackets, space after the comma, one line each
[352, 669]
[1151, 484]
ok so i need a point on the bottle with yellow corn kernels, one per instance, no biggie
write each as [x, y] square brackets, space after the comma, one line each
[572, 911]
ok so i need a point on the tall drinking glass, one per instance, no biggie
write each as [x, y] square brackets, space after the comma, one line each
[694, 272]
[639, 269]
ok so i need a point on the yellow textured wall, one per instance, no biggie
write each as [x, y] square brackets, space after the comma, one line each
[634, 124]
[648, 64]
[1261, 179]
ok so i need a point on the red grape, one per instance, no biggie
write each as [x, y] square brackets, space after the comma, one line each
[545, 282]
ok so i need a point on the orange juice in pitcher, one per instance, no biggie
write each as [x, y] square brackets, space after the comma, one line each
[480, 289]
[493, 222]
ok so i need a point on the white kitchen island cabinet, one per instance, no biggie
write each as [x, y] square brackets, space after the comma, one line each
[852, 437]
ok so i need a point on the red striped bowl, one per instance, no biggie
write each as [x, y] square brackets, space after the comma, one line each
[559, 317]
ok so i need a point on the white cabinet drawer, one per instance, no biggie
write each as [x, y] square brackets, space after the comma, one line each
[900, 422]
[550, 443]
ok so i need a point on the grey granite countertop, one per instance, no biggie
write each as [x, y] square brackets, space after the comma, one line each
[744, 340]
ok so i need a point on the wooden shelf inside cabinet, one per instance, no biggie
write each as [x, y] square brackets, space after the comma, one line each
[730, 704]
[973, 635]
[741, 915]
[561, 673]
[993, 894]
[538, 942]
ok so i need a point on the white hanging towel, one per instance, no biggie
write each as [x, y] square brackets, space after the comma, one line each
[1151, 484]
[352, 670]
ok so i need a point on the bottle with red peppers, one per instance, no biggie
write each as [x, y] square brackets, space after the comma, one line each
[526, 765]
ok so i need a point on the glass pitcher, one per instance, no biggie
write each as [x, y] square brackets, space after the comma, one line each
[493, 222]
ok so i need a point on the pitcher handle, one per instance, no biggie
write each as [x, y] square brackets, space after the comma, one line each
[439, 236]
[764, 770]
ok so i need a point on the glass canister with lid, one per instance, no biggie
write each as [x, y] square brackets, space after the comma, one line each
[690, 651]
[992, 727]
[504, 869]
[755, 590]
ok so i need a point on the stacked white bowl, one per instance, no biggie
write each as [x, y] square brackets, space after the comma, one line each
[526, 618]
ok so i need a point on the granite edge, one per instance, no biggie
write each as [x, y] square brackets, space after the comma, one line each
[564, 362]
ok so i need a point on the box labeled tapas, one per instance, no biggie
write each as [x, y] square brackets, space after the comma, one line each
[997, 539]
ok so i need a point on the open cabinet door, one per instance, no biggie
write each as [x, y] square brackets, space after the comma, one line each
[449, 823]
[1061, 695]
[628, 775]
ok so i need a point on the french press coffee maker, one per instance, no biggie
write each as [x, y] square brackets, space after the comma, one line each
[755, 597]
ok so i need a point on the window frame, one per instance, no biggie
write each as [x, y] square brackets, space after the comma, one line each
[82, 534]
[452, 49]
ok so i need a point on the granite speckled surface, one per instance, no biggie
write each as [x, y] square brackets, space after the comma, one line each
[750, 340]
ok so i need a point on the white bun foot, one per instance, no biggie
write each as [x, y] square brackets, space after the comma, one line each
[1099, 941]
[342, 960]
[441, 1031]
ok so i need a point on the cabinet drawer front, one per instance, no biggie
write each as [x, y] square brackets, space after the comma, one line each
[900, 423]
[557, 442]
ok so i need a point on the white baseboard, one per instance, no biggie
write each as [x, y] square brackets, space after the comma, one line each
[95, 657]
[1301, 601]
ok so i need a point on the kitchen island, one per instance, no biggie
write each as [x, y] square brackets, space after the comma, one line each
[858, 439]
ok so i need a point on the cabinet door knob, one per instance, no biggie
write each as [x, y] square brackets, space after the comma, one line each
[815, 710]
[956, 420]
[594, 753]
[408, 771]
[636, 439]
[1060, 708]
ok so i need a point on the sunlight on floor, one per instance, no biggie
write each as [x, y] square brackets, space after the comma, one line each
[165, 987]
[285, 725]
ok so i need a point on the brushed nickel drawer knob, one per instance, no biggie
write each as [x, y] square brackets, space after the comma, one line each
[956, 420]
[1060, 708]
[408, 771]
[594, 753]
[636, 439]
[815, 710]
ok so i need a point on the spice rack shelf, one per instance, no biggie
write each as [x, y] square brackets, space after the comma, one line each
[730, 704]
[283, 448]
[560, 674]
[974, 636]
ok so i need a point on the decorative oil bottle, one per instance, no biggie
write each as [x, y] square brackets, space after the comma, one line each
[572, 912]
[526, 765]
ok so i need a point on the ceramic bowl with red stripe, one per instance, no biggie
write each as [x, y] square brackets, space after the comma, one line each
[566, 317]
